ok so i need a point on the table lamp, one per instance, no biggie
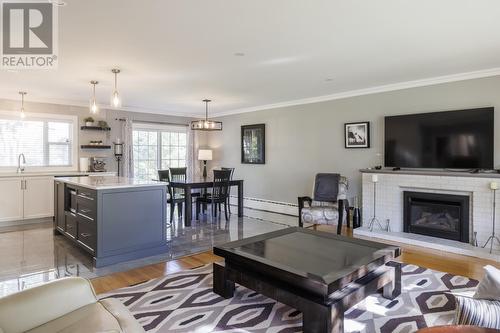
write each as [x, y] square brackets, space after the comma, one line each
[205, 155]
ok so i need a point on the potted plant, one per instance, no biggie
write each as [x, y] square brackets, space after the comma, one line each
[89, 121]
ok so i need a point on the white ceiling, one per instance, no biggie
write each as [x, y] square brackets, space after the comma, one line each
[175, 53]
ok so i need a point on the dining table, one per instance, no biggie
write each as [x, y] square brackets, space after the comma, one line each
[203, 184]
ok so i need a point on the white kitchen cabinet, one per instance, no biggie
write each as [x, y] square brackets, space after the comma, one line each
[38, 197]
[11, 199]
[23, 198]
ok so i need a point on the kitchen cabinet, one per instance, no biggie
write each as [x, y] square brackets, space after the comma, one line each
[38, 197]
[114, 219]
[59, 194]
[23, 198]
[11, 199]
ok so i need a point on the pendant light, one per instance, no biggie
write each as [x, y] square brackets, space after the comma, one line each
[206, 124]
[93, 103]
[115, 96]
[22, 93]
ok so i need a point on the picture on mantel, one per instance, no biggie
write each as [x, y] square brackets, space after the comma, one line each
[357, 135]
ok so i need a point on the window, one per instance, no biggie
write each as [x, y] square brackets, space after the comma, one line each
[46, 142]
[158, 147]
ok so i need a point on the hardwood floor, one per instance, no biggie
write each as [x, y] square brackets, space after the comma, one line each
[441, 261]
[124, 279]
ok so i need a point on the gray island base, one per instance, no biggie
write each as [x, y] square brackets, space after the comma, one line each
[114, 219]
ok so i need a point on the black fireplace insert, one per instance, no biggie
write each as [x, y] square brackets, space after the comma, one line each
[437, 214]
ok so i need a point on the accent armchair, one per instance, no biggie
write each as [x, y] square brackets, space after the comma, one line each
[328, 204]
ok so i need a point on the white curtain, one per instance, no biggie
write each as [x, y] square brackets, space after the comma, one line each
[192, 154]
[128, 158]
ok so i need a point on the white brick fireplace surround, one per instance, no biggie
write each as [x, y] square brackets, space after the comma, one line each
[389, 205]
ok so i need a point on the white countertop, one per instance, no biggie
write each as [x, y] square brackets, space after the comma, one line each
[108, 182]
[54, 173]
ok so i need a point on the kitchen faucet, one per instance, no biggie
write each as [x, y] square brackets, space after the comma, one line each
[19, 168]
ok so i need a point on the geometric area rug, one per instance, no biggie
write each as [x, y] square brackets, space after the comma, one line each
[184, 302]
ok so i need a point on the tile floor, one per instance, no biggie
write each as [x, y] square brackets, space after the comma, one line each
[32, 254]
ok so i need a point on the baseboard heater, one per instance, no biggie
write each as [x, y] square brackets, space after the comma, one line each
[268, 206]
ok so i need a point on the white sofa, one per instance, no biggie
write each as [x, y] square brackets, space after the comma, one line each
[64, 306]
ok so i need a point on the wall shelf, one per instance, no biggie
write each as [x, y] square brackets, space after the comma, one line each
[95, 147]
[95, 128]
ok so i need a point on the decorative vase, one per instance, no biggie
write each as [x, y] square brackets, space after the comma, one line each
[89, 124]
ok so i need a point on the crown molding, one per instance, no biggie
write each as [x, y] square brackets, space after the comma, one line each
[135, 109]
[368, 91]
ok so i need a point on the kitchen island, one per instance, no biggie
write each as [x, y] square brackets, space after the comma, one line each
[114, 219]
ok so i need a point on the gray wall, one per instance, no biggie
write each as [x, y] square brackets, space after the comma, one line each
[84, 137]
[306, 139]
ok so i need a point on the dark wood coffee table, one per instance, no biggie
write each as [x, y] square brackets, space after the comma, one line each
[318, 273]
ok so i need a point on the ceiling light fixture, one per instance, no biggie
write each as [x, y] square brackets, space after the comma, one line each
[115, 96]
[22, 93]
[206, 124]
[93, 103]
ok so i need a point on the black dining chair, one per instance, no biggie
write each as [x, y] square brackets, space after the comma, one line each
[180, 175]
[176, 196]
[219, 194]
[229, 192]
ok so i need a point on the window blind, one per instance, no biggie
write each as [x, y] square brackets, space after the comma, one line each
[44, 142]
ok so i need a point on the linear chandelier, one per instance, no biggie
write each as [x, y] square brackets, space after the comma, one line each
[206, 124]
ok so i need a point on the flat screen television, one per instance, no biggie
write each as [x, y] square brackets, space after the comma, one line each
[460, 139]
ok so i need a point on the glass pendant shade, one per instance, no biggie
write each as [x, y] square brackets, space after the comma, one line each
[115, 96]
[22, 115]
[94, 108]
[206, 124]
[115, 99]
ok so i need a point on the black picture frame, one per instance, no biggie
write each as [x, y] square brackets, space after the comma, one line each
[357, 135]
[253, 144]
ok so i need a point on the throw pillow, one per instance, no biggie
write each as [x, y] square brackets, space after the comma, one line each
[489, 288]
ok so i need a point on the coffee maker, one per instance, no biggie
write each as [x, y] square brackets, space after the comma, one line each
[97, 164]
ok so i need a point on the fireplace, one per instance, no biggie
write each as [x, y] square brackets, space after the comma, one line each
[436, 214]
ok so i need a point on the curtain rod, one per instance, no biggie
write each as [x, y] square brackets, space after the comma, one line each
[153, 122]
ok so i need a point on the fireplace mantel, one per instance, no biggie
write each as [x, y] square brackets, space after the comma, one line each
[391, 185]
[432, 172]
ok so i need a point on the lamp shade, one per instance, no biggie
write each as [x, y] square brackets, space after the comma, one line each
[205, 154]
